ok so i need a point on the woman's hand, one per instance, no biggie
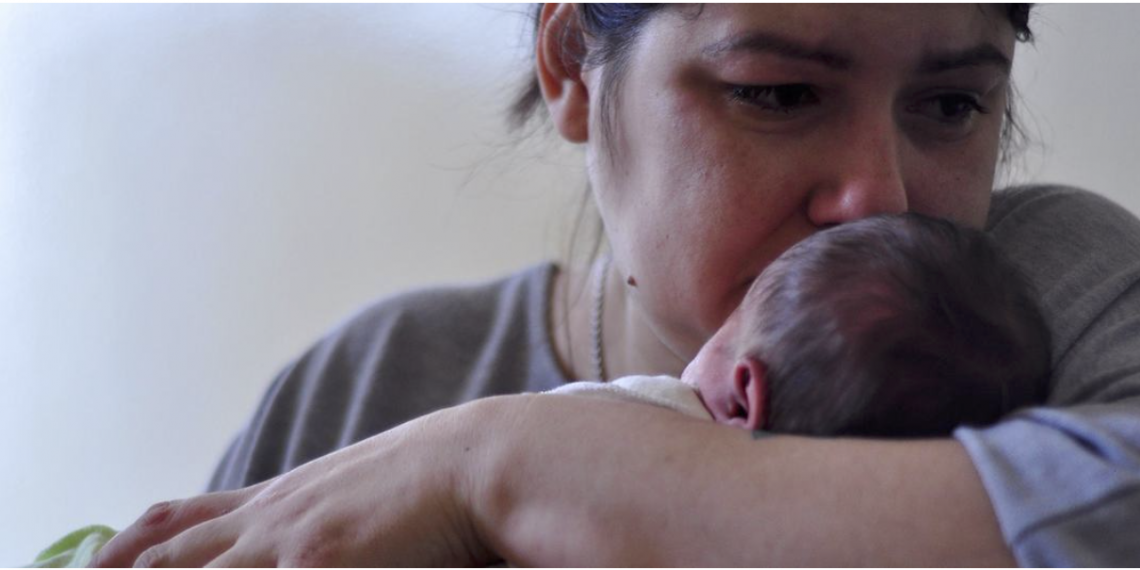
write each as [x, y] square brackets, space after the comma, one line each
[398, 498]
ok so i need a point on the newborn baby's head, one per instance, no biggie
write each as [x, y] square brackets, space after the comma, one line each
[901, 326]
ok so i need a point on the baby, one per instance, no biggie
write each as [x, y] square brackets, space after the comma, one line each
[892, 326]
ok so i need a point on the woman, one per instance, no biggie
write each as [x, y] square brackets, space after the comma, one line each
[715, 137]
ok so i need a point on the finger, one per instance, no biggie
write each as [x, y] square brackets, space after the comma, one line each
[162, 522]
[192, 548]
[241, 556]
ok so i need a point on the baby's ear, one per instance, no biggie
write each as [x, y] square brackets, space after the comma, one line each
[750, 390]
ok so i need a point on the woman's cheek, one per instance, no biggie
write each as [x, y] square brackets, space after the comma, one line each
[959, 194]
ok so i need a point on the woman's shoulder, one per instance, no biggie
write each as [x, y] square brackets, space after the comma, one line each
[1051, 227]
[1081, 252]
[478, 338]
[1020, 208]
[397, 359]
[454, 310]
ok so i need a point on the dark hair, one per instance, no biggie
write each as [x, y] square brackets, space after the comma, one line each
[611, 29]
[899, 325]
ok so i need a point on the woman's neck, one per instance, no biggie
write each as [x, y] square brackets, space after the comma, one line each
[629, 343]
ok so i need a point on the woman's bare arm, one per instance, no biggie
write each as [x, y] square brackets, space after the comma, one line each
[576, 481]
[581, 482]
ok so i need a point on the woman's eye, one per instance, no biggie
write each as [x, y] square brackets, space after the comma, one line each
[784, 99]
[951, 109]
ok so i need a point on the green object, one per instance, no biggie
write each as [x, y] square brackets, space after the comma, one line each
[76, 550]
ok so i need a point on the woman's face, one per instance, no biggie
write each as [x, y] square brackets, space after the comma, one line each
[744, 129]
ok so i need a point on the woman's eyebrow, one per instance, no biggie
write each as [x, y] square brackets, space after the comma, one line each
[782, 46]
[979, 55]
[775, 44]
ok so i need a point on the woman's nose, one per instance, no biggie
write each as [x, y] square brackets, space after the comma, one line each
[862, 178]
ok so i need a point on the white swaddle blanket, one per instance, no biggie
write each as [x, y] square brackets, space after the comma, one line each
[664, 391]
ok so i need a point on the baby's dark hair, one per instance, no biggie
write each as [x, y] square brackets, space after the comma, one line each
[895, 326]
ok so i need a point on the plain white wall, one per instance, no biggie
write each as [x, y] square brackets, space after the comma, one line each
[1080, 85]
[190, 195]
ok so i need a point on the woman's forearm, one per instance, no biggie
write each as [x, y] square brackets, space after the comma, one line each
[576, 481]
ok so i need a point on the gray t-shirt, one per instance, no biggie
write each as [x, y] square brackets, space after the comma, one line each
[1064, 480]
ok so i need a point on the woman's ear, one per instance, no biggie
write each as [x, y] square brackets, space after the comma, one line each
[750, 389]
[561, 47]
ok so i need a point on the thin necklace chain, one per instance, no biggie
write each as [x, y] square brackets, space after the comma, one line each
[601, 271]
